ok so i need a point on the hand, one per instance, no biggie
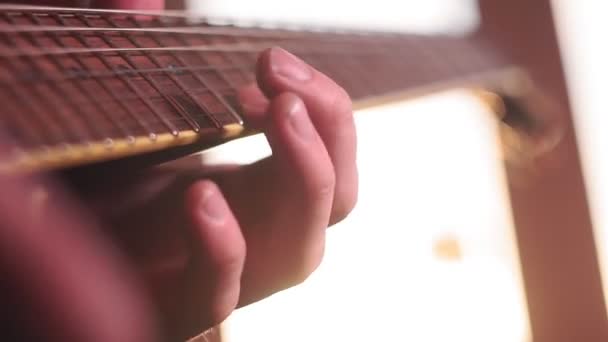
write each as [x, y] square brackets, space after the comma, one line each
[202, 244]
[207, 242]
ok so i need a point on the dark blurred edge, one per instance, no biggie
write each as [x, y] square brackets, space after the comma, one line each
[553, 226]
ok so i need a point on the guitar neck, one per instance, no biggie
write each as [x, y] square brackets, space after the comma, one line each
[87, 86]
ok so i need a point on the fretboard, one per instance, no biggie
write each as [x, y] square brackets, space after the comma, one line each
[84, 86]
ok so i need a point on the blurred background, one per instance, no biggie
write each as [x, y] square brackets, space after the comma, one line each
[430, 252]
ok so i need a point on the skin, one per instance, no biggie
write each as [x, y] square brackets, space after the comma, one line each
[168, 253]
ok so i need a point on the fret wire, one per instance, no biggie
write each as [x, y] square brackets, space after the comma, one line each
[152, 120]
[88, 122]
[201, 80]
[157, 70]
[339, 48]
[46, 52]
[128, 82]
[11, 127]
[152, 70]
[91, 97]
[45, 115]
[152, 82]
[175, 80]
[21, 121]
[242, 47]
[172, 128]
[208, 85]
[235, 31]
[213, 91]
[51, 135]
[391, 62]
[341, 76]
[117, 123]
[136, 91]
[245, 73]
[221, 74]
[155, 120]
[110, 90]
[124, 98]
[48, 103]
[195, 30]
[325, 46]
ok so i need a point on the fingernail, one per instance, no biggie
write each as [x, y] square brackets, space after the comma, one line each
[298, 119]
[289, 66]
[213, 206]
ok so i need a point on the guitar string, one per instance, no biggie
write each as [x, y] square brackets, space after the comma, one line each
[72, 75]
[292, 36]
[214, 31]
[176, 81]
[208, 85]
[160, 116]
[57, 118]
[84, 91]
[128, 98]
[110, 90]
[201, 80]
[188, 18]
[222, 48]
[172, 50]
[148, 78]
[189, 30]
[177, 108]
[236, 47]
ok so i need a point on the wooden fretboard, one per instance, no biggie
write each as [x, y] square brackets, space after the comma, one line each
[84, 86]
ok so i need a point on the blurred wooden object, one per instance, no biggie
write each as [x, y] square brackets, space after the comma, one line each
[553, 226]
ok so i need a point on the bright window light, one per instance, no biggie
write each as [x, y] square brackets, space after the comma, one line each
[582, 26]
[428, 255]
[429, 16]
